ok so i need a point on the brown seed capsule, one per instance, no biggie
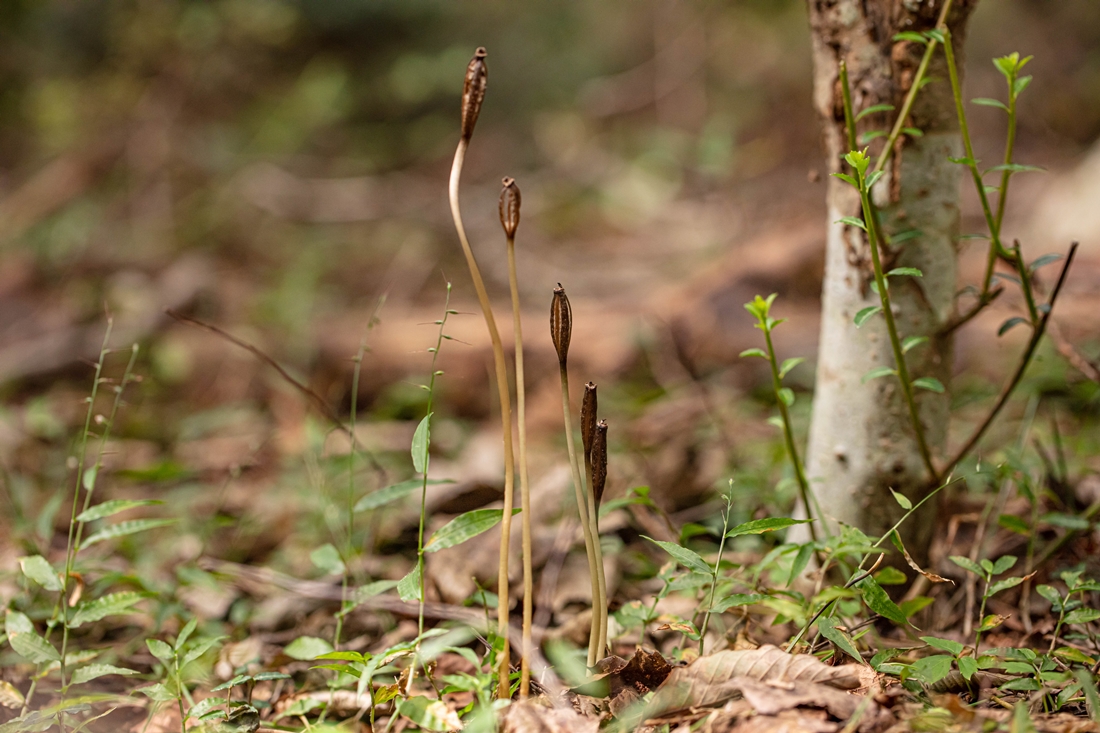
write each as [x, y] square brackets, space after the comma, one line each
[561, 323]
[473, 91]
[588, 419]
[509, 206]
[599, 461]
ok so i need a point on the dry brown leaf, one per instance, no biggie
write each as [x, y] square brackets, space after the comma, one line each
[775, 696]
[531, 717]
[707, 681]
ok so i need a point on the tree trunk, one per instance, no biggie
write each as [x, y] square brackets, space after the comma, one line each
[862, 439]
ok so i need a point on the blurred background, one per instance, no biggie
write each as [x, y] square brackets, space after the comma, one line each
[276, 167]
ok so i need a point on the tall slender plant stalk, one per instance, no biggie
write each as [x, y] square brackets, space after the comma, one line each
[473, 94]
[509, 219]
[561, 330]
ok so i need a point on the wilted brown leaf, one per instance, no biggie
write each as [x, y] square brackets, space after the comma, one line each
[531, 717]
[713, 679]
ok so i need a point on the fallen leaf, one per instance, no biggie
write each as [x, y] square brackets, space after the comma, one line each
[709, 680]
[530, 716]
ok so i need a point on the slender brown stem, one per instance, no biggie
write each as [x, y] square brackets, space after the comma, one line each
[501, 368]
[1025, 360]
[599, 606]
[959, 321]
[524, 483]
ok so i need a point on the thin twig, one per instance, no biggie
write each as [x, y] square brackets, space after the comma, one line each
[961, 320]
[1025, 360]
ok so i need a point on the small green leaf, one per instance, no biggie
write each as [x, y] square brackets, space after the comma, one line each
[307, 648]
[944, 645]
[775, 421]
[420, 441]
[962, 161]
[911, 36]
[123, 529]
[847, 179]
[911, 342]
[852, 221]
[109, 605]
[913, 131]
[109, 508]
[1002, 585]
[93, 671]
[968, 667]
[902, 500]
[1044, 260]
[910, 271]
[25, 640]
[932, 669]
[1014, 524]
[890, 576]
[684, 556]
[1016, 168]
[463, 527]
[160, 649]
[1092, 697]
[936, 34]
[1010, 324]
[987, 102]
[735, 601]
[873, 179]
[879, 602]
[38, 569]
[865, 313]
[786, 396]
[930, 383]
[760, 526]
[873, 109]
[1020, 85]
[876, 373]
[827, 627]
[327, 559]
[753, 352]
[1083, 616]
[392, 493]
[1004, 564]
[904, 236]
[789, 364]
[408, 588]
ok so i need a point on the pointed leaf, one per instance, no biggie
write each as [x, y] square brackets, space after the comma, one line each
[753, 352]
[1016, 168]
[327, 559]
[160, 649]
[879, 602]
[392, 493]
[987, 102]
[408, 588]
[38, 569]
[307, 648]
[463, 527]
[123, 529]
[684, 556]
[865, 313]
[872, 109]
[109, 605]
[1010, 324]
[852, 221]
[944, 645]
[847, 179]
[786, 396]
[760, 526]
[789, 364]
[420, 441]
[92, 671]
[110, 508]
[25, 640]
[827, 627]
[910, 271]
[967, 564]
[968, 666]
[911, 342]
[930, 383]
[902, 500]
[876, 373]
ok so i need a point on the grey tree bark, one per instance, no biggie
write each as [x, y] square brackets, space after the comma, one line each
[862, 439]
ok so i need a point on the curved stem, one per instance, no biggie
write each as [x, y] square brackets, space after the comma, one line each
[524, 482]
[505, 417]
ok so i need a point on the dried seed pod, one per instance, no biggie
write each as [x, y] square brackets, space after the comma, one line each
[599, 461]
[509, 206]
[561, 323]
[473, 91]
[588, 419]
